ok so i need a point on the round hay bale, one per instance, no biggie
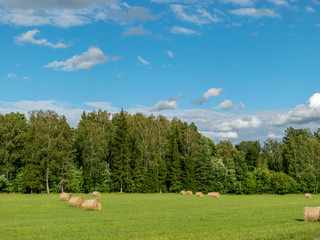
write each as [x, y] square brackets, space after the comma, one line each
[183, 193]
[96, 194]
[308, 195]
[214, 194]
[189, 192]
[311, 214]
[76, 202]
[199, 194]
[65, 196]
[92, 204]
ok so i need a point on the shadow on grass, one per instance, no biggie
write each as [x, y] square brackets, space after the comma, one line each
[300, 219]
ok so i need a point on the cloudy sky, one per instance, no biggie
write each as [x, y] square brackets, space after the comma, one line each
[239, 69]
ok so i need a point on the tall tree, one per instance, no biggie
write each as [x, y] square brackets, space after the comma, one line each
[92, 140]
[12, 132]
[48, 144]
[121, 159]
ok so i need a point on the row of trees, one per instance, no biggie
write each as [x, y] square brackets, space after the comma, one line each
[135, 153]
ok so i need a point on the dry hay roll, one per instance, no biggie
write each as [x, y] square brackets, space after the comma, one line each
[92, 204]
[199, 194]
[65, 196]
[214, 194]
[76, 202]
[183, 193]
[189, 192]
[96, 194]
[311, 214]
[308, 195]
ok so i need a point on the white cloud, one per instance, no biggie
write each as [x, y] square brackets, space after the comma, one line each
[170, 54]
[301, 114]
[220, 135]
[239, 2]
[25, 4]
[273, 135]
[255, 13]
[70, 13]
[226, 105]
[182, 30]
[310, 9]
[280, 3]
[144, 62]
[102, 105]
[136, 31]
[164, 105]
[200, 16]
[87, 60]
[29, 37]
[31, 17]
[236, 124]
[11, 75]
[212, 92]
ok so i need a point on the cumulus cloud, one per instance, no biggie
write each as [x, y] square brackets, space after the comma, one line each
[255, 13]
[212, 92]
[136, 31]
[28, 37]
[199, 17]
[220, 135]
[236, 124]
[182, 30]
[164, 105]
[141, 60]
[87, 60]
[239, 2]
[226, 105]
[301, 114]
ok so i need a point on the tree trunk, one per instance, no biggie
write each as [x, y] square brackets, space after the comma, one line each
[121, 188]
[47, 180]
[62, 188]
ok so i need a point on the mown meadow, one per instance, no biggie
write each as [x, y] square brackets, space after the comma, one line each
[158, 216]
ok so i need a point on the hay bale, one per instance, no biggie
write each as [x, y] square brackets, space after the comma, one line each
[96, 194]
[76, 202]
[65, 196]
[214, 194]
[183, 193]
[92, 204]
[199, 194]
[311, 214]
[189, 192]
[308, 195]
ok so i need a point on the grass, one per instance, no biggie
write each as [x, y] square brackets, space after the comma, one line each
[158, 216]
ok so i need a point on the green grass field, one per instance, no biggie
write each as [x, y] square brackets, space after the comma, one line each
[158, 216]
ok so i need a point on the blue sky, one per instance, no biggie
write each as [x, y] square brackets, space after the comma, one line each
[239, 69]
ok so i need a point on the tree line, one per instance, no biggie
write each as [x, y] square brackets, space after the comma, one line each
[147, 154]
